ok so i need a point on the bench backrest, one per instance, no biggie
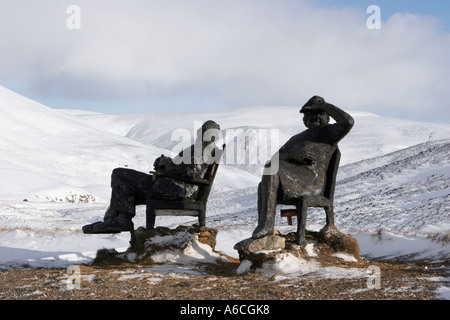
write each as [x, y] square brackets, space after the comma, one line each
[210, 175]
[331, 174]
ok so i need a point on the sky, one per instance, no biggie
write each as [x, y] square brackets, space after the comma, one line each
[153, 56]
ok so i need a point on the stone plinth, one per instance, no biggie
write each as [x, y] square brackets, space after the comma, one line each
[159, 245]
[327, 247]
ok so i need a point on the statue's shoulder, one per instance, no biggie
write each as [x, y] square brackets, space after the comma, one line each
[299, 136]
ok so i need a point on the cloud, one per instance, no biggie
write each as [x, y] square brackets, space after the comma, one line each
[243, 52]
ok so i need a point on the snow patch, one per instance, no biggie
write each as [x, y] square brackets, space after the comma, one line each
[344, 256]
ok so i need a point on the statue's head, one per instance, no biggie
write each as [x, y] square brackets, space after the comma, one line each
[314, 119]
[208, 125]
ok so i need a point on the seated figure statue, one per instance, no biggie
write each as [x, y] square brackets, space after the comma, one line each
[302, 160]
[131, 187]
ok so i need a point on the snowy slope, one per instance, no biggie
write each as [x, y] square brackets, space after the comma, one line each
[392, 191]
[44, 152]
[408, 190]
[53, 155]
[395, 205]
[372, 135]
[405, 191]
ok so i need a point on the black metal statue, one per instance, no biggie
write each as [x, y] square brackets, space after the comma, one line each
[303, 161]
[131, 187]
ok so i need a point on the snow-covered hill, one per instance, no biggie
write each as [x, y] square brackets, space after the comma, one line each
[408, 190]
[46, 154]
[392, 191]
[372, 135]
[405, 193]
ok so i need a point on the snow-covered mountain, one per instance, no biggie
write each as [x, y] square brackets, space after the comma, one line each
[47, 154]
[372, 135]
[393, 181]
[404, 191]
[64, 154]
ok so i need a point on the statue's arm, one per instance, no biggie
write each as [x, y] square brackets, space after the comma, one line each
[165, 167]
[341, 117]
[344, 121]
[163, 164]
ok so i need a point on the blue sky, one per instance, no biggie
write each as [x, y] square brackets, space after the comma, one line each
[151, 56]
[438, 8]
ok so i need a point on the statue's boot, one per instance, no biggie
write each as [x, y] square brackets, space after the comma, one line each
[264, 228]
[110, 214]
[119, 224]
[267, 202]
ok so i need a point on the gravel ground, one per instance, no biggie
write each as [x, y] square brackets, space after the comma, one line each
[398, 281]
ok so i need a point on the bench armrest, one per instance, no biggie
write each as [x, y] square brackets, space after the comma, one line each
[197, 182]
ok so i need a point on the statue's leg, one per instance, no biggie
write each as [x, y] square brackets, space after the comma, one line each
[129, 188]
[267, 204]
[150, 214]
[302, 210]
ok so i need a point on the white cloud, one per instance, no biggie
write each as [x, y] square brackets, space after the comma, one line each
[248, 52]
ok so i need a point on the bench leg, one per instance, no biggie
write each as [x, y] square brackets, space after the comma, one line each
[150, 216]
[302, 209]
[150, 222]
[330, 215]
[202, 217]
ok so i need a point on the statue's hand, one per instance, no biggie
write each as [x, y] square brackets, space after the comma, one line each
[157, 162]
[163, 164]
[301, 161]
[314, 108]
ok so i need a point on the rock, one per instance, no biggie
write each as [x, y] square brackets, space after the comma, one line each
[338, 241]
[146, 243]
[205, 233]
[257, 251]
[208, 236]
[279, 253]
[107, 257]
[267, 243]
[204, 236]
